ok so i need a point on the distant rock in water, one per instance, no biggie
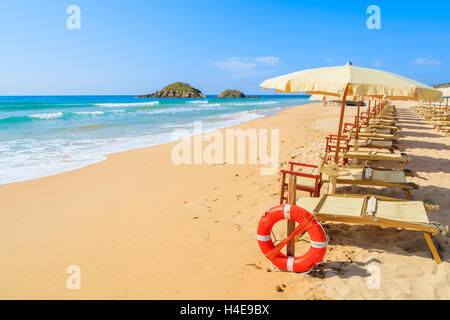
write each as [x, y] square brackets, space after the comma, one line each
[176, 90]
[442, 85]
[232, 94]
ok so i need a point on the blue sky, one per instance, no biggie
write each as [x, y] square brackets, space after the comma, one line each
[132, 47]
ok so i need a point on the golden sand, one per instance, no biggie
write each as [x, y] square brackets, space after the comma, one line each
[140, 227]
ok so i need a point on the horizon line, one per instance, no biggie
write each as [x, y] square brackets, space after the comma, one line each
[96, 94]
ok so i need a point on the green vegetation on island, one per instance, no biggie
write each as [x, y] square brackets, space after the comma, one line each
[176, 90]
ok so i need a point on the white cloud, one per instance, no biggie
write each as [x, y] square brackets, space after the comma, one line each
[235, 64]
[378, 64]
[270, 61]
[426, 62]
[247, 66]
[329, 60]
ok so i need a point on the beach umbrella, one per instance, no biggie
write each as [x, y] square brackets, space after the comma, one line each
[348, 80]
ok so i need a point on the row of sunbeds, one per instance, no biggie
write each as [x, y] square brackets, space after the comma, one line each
[438, 116]
[372, 136]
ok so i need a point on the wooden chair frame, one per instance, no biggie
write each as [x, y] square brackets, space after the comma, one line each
[313, 192]
[427, 230]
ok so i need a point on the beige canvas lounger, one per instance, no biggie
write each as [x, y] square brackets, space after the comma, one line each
[367, 176]
[375, 144]
[376, 210]
[375, 155]
[375, 130]
[369, 143]
[386, 136]
[382, 122]
[387, 127]
[401, 158]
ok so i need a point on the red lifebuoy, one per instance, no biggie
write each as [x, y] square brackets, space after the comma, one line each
[307, 222]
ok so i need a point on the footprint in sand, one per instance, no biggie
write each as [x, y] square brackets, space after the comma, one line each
[238, 213]
[254, 265]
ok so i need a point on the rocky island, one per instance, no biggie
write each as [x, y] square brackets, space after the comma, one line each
[176, 90]
[233, 94]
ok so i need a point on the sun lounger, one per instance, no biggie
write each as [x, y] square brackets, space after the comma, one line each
[309, 180]
[365, 143]
[350, 128]
[378, 135]
[378, 121]
[375, 144]
[367, 176]
[375, 130]
[345, 153]
[376, 210]
[401, 158]
[390, 127]
[439, 125]
[446, 130]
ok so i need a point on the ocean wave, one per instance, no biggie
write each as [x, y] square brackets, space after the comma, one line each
[259, 103]
[86, 113]
[47, 116]
[133, 104]
[175, 110]
[198, 101]
[58, 115]
[240, 115]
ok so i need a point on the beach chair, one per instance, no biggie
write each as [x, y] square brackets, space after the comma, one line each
[331, 144]
[383, 136]
[380, 132]
[376, 177]
[366, 122]
[378, 211]
[446, 130]
[366, 143]
[310, 180]
[373, 121]
[345, 153]
[350, 128]
[400, 158]
[441, 122]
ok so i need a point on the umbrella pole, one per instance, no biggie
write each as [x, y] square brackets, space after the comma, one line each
[341, 121]
[446, 106]
[357, 120]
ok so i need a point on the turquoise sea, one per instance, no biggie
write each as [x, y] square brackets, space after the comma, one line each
[45, 135]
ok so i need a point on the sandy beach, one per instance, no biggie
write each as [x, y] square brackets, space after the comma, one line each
[141, 227]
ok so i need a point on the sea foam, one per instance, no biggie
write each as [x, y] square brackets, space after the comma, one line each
[136, 104]
[46, 116]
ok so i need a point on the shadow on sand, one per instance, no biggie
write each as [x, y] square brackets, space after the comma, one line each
[418, 134]
[375, 239]
[415, 144]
